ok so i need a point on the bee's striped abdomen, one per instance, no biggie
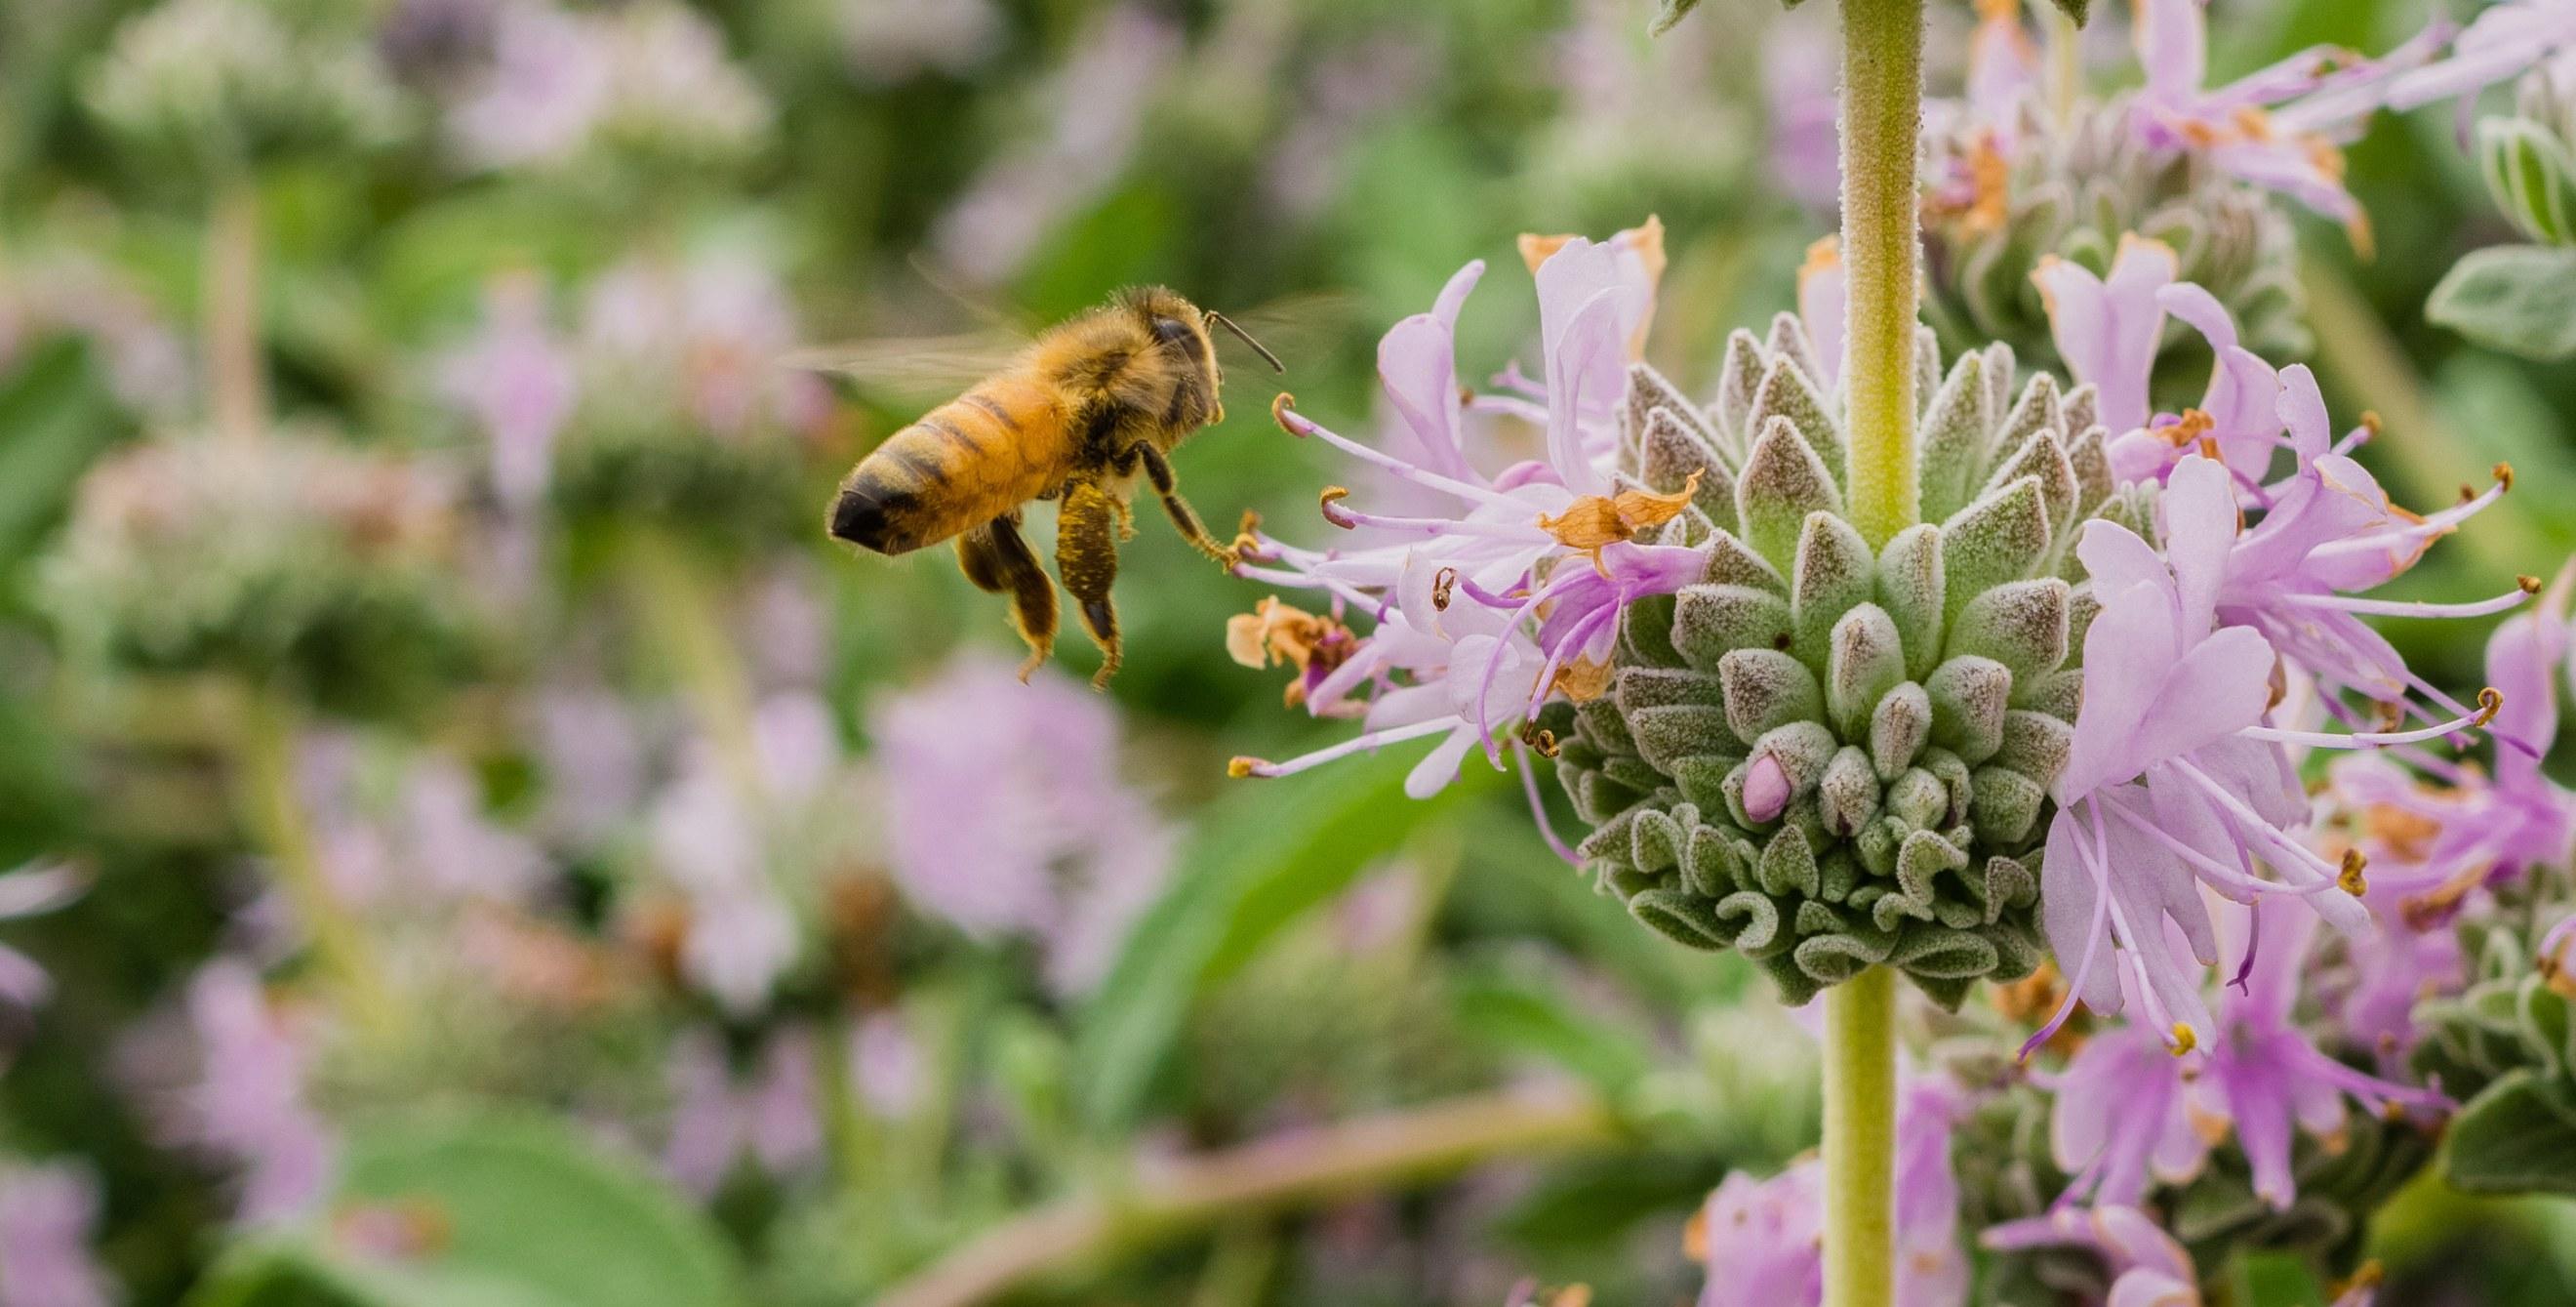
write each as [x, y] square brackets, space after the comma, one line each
[959, 466]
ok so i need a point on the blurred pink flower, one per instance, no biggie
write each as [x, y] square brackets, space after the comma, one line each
[1800, 67]
[2148, 1267]
[48, 1215]
[33, 890]
[1093, 109]
[1763, 1241]
[247, 1107]
[537, 101]
[515, 379]
[708, 332]
[887, 1065]
[1005, 814]
[718, 1117]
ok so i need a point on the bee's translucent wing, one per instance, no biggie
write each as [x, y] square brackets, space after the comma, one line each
[1302, 329]
[919, 368]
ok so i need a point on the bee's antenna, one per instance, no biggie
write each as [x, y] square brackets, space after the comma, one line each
[1246, 337]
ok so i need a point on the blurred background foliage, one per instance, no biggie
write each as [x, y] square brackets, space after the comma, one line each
[1319, 950]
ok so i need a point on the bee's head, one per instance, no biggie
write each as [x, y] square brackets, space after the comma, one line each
[1178, 327]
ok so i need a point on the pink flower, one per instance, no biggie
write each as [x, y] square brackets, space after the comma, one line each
[516, 381]
[1004, 816]
[1762, 1240]
[32, 891]
[2504, 40]
[717, 1118]
[2109, 331]
[48, 1215]
[2172, 781]
[2266, 1076]
[2148, 1267]
[1462, 647]
[248, 1106]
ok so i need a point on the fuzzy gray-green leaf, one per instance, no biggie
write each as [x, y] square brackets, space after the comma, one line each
[1766, 688]
[2021, 624]
[1831, 574]
[1953, 440]
[1789, 391]
[1670, 452]
[1711, 621]
[1737, 378]
[2036, 744]
[1848, 794]
[2005, 806]
[1864, 660]
[1783, 482]
[1994, 540]
[1899, 726]
[1911, 588]
[2042, 456]
[1970, 696]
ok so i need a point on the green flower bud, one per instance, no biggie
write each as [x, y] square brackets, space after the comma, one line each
[1827, 758]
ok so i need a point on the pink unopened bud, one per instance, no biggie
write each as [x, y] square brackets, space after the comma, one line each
[1766, 789]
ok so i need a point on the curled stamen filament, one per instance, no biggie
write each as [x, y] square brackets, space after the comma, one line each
[2489, 702]
[2406, 608]
[1243, 767]
[1298, 424]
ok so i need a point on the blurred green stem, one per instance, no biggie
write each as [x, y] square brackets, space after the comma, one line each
[1160, 1200]
[236, 376]
[676, 601]
[1882, 128]
[1860, 1140]
[1239, 1266]
[277, 820]
[2065, 63]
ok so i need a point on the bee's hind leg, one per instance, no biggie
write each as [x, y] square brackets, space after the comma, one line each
[997, 558]
[1086, 557]
[1158, 470]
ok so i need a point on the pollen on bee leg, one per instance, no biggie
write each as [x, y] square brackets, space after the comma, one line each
[1540, 739]
[2490, 702]
[2350, 879]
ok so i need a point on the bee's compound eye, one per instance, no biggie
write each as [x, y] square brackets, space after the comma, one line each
[1172, 331]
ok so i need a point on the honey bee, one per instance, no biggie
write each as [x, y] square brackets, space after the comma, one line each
[1085, 409]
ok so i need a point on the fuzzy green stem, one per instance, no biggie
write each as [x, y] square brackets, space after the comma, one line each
[276, 818]
[1860, 1141]
[1882, 128]
[236, 375]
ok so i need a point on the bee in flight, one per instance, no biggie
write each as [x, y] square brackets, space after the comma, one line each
[1083, 411]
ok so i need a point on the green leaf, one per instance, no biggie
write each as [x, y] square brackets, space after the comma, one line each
[526, 1213]
[2520, 299]
[55, 424]
[1273, 850]
[1533, 1014]
[2517, 1137]
[2277, 1279]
